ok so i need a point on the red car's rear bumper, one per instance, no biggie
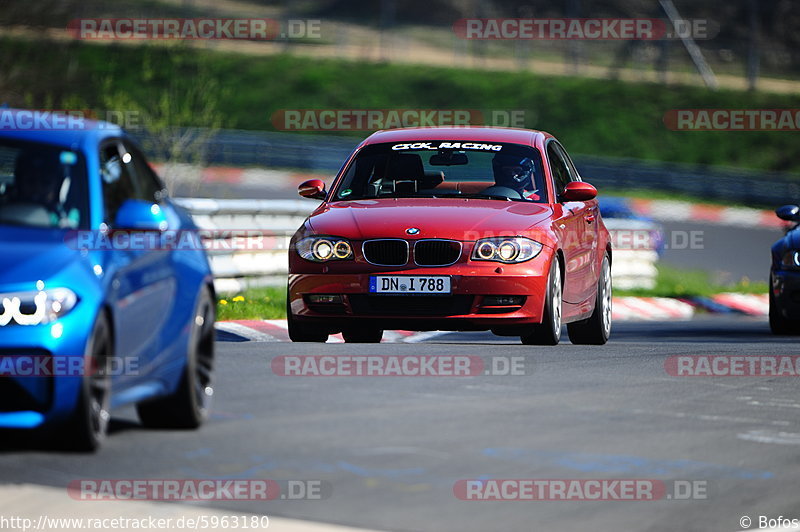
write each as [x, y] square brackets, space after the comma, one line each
[466, 308]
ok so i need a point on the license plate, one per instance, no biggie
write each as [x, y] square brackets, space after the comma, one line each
[409, 284]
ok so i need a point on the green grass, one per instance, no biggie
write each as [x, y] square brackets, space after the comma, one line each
[267, 303]
[270, 303]
[591, 116]
[677, 282]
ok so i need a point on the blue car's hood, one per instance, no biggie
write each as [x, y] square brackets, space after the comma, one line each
[27, 255]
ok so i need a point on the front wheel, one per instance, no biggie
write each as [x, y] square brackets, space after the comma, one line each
[777, 323]
[189, 406]
[549, 331]
[597, 328]
[87, 427]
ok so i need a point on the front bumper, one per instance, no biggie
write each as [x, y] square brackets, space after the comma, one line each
[786, 293]
[467, 307]
[33, 393]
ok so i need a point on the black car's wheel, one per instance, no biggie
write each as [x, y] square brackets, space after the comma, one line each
[549, 331]
[189, 406]
[777, 323]
[299, 332]
[597, 328]
[87, 427]
[363, 336]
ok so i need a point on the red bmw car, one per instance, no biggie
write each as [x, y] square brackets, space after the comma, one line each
[457, 229]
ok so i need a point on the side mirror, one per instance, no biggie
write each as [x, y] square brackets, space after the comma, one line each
[313, 189]
[579, 191]
[790, 213]
[139, 215]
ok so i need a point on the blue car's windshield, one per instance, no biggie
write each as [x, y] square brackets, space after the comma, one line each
[444, 168]
[42, 185]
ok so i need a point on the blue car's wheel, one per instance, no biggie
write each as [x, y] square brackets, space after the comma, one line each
[88, 425]
[189, 406]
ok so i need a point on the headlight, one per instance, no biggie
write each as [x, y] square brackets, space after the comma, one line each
[507, 250]
[324, 248]
[36, 307]
[791, 259]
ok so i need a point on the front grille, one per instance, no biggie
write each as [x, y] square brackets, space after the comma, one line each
[436, 252]
[386, 252]
[411, 305]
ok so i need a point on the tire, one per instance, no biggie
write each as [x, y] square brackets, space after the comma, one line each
[597, 328]
[188, 407]
[549, 331]
[299, 332]
[777, 323]
[87, 428]
[363, 336]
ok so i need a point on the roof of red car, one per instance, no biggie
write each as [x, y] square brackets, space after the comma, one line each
[482, 134]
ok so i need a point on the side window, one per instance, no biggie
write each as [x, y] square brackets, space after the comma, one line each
[148, 185]
[570, 165]
[117, 183]
[559, 168]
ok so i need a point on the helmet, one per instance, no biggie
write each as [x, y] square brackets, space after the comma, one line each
[513, 171]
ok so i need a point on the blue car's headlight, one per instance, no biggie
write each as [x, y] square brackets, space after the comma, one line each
[791, 259]
[36, 307]
[508, 250]
[324, 248]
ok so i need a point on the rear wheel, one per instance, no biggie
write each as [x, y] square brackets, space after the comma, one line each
[597, 328]
[189, 406]
[300, 332]
[549, 331]
[87, 428]
[777, 323]
[363, 336]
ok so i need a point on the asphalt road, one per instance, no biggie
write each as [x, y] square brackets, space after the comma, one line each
[391, 448]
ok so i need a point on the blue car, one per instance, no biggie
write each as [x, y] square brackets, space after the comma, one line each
[784, 276]
[99, 306]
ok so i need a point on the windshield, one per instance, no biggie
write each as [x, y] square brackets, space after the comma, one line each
[444, 169]
[42, 185]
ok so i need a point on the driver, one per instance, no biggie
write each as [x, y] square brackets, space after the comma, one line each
[514, 172]
[38, 180]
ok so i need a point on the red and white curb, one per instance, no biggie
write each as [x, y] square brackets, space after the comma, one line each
[682, 211]
[276, 331]
[752, 304]
[650, 309]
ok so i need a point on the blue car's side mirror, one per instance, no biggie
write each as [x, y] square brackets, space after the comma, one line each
[790, 213]
[139, 215]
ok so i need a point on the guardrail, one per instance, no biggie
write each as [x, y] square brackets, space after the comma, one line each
[326, 153]
[249, 240]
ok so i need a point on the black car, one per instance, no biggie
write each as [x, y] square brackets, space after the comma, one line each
[784, 293]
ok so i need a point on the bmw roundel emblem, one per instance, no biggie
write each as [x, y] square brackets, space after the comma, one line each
[412, 231]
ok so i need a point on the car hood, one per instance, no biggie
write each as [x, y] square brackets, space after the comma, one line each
[459, 219]
[29, 255]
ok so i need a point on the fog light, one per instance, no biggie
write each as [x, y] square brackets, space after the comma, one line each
[324, 298]
[503, 301]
